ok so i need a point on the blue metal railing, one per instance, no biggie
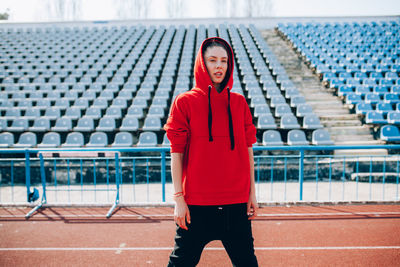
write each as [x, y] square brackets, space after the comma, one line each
[274, 167]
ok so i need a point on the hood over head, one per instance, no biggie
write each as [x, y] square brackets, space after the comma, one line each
[204, 83]
[201, 75]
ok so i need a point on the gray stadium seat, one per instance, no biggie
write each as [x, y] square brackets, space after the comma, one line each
[297, 138]
[98, 139]
[147, 139]
[289, 121]
[19, 125]
[282, 109]
[41, 124]
[85, 124]
[6, 140]
[26, 140]
[50, 140]
[106, 124]
[321, 137]
[266, 122]
[152, 123]
[272, 138]
[123, 139]
[303, 109]
[63, 124]
[311, 121]
[130, 124]
[74, 139]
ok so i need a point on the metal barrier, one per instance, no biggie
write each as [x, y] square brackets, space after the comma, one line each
[283, 174]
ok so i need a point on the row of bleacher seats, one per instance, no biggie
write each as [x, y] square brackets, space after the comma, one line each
[126, 139]
[360, 61]
[124, 78]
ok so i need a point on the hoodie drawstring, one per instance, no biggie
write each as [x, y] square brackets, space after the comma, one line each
[231, 134]
[210, 138]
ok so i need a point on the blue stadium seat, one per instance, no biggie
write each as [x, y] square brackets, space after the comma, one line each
[363, 108]
[50, 139]
[391, 98]
[135, 112]
[372, 98]
[375, 117]
[73, 113]
[390, 133]
[114, 112]
[3, 124]
[6, 140]
[52, 113]
[98, 139]
[26, 140]
[277, 100]
[304, 109]
[262, 110]
[147, 139]
[282, 109]
[393, 117]
[321, 137]
[297, 138]
[272, 138]
[384, 108]
[123, 139]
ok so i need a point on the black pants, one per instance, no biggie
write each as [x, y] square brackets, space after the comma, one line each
[228, 223]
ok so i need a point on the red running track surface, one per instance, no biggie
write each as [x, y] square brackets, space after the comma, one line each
[364, 235]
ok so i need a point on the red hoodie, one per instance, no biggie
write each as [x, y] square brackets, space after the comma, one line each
[216, 168]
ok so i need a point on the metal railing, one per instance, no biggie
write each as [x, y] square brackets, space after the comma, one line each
[137, 175]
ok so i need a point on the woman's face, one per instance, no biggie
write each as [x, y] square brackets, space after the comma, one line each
[216, 60]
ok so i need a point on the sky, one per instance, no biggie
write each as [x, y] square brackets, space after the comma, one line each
[37, 10]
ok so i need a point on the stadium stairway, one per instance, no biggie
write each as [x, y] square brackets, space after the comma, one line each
[345, 128]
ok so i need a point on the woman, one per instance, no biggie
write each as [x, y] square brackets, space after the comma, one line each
[211, 134]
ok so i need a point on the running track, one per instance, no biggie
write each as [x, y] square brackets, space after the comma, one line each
[365, 235]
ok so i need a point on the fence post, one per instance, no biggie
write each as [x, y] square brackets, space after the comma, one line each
[163, 174]
[301, 172]
[27, 175]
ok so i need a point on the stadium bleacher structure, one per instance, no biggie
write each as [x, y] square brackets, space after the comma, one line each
[113, 86]
[360, 61]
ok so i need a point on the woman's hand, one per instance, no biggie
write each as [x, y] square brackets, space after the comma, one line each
[181, 213]
[252, 206]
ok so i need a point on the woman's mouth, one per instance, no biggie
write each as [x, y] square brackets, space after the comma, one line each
[218, 74]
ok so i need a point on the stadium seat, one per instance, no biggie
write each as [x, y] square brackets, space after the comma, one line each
[152, 123]
[166, 141]
[393, 117]
[277, 100]
[63, 124]
[372, 98]
[390, 133]
[375, 117]
[26, 140]
[129, 124]
[266, 122]
[85, 124]
[6, 140]
[297, 138]
[97, 139]
[52, 113]
[282, 109]
[384, 108]
[272, 138]
[123, 139]
[93, 112]
[41, 124]
[262, 110]
[135, 112]
[147, 139]
[73, 113]
[289, 121]
[311, 121]
[303, 109]
[321, 137]
[50, 139]
[363, 108]
[18, 125]
[114, 112]
[74, 139]
[106, 124]
[3, 124]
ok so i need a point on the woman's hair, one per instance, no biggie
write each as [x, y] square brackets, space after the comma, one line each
[215, 43]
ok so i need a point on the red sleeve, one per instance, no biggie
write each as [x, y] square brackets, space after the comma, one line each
[249, 127]
[177, 126]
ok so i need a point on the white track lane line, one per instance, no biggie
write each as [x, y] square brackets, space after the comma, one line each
[210, 248]
[141, 216]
